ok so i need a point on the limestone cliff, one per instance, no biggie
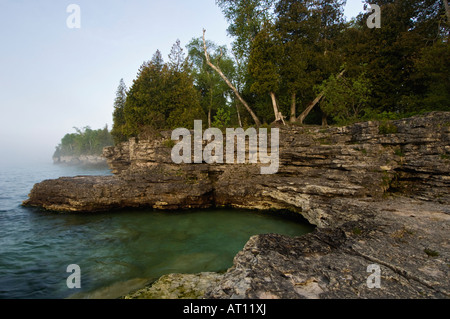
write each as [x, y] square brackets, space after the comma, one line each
[378, 192]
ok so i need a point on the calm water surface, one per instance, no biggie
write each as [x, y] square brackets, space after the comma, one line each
[116, 251]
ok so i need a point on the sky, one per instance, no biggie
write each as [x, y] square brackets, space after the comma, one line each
[54, 78]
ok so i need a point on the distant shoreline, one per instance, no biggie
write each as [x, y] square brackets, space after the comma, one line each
[81, 160]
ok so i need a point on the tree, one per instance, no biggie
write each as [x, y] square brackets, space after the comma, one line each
[177, 58]
[391, 52]
[345, 99]
[227, 81]
[222, 118]
[162, 96]
[84, 142]
[325, 24]
[431, 78]
[294, 26]
[214, 92]
[246, 18]
[447, 10]
[264, 65]
[118, 114]
[157, 60]
[308, 32]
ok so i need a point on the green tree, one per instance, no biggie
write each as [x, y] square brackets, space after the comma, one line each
[391, 52]
[84, 142]
[431, 77]
[264, 66]
[222, 119]
[345, 100]
[214, 92]
[246, 18]
[118, 114]
[162, 96]
[299, 74]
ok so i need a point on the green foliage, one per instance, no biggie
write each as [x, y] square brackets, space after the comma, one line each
[263, 63]
[399, 152]
[119, 114]
[291, 47]
[431, 80]
[357, 231]
[214, 92]
[345, 99]
[295, 49]
[431, 253]
[162, 96]
[399, 55]
[246, 18]
[222, 119]
[84, 142]
[387, 127]
[169, 143]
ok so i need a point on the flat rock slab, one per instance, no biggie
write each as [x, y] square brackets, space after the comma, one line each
[408, 240]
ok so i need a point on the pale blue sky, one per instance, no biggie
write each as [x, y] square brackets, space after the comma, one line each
[53, 78]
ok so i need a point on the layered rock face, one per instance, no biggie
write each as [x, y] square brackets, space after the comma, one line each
[360, 185]
[319, 168]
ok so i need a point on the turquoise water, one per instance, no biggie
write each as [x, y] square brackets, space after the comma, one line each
[116, 251]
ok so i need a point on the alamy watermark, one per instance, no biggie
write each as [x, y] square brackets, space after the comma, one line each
[374, 280]
[374, 20]
[74, 280]
[236, 147]
[74, 19]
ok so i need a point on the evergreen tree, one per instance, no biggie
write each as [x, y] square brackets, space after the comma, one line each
[295, 27]
[391, 52]
[177, 58]
[246, 18]
[162, 96]
[157, 60]
[84, 142]
[264, 65]
[118, 114]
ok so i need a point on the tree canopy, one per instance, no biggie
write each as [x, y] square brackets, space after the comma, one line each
[162, 96]
[299, 60]
[85, 141]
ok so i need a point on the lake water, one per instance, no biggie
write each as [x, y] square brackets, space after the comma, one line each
[116, 251]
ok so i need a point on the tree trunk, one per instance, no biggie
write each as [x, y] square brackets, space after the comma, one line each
[210, 108]
[278, 115]
[219, 71]
[293, 108]
[238, 114]
[306, 112]
[447, 10]
[275, 107]
[324, 119]
[209, 118]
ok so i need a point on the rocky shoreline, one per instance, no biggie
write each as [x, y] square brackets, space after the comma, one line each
[82, 160]
[378, 193]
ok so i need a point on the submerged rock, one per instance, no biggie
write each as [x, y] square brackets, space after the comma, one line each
[177, 286]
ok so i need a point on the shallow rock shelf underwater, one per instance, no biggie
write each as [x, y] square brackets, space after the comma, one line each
[121, 251]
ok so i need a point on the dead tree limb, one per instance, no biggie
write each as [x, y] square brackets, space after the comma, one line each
[309, 108]
[219, 71]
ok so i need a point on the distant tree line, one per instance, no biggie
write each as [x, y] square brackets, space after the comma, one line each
[84, 142]
[297, 61]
